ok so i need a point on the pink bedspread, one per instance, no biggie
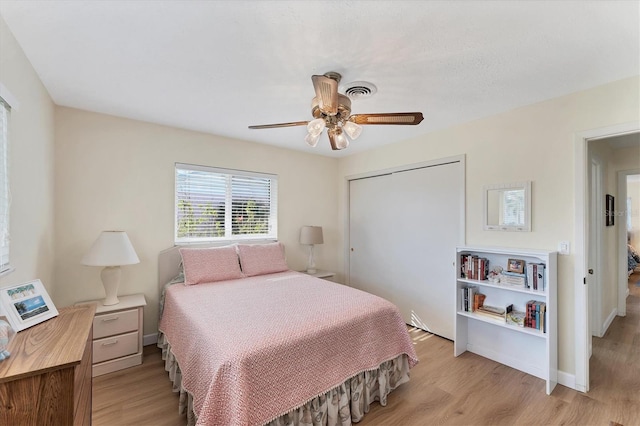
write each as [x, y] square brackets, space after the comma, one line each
[255, 348]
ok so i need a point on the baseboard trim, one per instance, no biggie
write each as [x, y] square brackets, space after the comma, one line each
[566, 379]
[608, 321]
[150, 339]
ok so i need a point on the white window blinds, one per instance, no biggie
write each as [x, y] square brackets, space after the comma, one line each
[224, 205]
[513, 208]
[4, 186]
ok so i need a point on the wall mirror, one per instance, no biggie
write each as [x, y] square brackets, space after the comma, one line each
[507, 207]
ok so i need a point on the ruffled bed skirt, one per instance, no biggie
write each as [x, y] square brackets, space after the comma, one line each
[345, 404]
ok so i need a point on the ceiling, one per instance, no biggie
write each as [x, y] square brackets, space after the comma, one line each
[219, 66]
[624, 141]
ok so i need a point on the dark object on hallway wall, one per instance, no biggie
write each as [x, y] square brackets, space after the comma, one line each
[610, 210]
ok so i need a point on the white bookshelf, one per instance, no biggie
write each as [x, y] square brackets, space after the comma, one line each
[527, 349]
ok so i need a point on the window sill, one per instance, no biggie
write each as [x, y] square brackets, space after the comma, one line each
[7, 271]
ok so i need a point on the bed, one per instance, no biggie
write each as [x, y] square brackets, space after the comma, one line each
[633, 259]
[267, 345]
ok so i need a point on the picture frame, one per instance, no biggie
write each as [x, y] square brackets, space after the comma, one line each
[27, 304]
[515, 265]
[609, 210]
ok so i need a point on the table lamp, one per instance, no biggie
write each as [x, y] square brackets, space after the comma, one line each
[111, 250]
[311, 235]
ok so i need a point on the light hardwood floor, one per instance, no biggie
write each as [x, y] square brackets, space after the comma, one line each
[444, 390]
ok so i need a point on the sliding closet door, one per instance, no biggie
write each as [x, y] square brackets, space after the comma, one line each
[427, 230]
[403, 230]
[371, 235]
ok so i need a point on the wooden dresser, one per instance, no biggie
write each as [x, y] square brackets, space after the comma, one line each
[47, 379]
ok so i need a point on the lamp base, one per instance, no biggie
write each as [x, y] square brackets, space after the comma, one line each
[311, 263]
[111, 281]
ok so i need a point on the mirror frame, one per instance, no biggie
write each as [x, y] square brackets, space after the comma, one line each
[526, 186]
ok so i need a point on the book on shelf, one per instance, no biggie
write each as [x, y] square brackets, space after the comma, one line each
[535, 276]
[513, 279]
[535, 315]
[474, 267]
[494, 312]
[478, 300]
[470, 299]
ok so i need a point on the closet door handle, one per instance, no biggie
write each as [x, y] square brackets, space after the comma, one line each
[590, 271]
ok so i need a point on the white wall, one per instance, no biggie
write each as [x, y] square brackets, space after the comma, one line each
[114, 173]
[31, 168]
[533, 143]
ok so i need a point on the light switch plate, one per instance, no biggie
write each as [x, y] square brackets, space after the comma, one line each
[564, 247]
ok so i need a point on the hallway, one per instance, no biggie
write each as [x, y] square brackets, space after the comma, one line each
[615, 362]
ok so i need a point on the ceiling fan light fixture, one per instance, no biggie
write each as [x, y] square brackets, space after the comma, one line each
[312, 140]
[337, 138]
[341, 141]
[315, 127]
[352, 129]
[332, 111]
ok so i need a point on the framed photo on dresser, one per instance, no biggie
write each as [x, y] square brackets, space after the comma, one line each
[25, 305]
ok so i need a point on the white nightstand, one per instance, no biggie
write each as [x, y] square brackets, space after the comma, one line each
[117, 334]
[327, 275]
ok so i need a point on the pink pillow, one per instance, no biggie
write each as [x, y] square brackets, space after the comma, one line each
[206, 265]
[260, 259]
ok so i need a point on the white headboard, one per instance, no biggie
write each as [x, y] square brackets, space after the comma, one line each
[168, 265]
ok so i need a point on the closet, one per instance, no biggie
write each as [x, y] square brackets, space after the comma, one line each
[404, 226]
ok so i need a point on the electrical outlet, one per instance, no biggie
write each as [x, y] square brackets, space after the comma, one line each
[564, 247]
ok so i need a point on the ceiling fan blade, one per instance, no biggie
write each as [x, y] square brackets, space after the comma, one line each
[401, 118]
[326, 93]
[273, 126]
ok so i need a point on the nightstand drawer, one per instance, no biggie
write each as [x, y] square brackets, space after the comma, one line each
[115, 347]
[115, 323]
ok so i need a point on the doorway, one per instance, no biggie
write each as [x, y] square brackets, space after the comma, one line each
[582, 311]
[629, 193]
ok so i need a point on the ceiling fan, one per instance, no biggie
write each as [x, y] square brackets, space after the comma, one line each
[332, 110]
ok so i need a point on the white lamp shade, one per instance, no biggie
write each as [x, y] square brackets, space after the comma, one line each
[311, 235]
[112, 248]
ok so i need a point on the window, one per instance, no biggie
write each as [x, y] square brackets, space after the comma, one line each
[223, 205]
[4, 186]
[513, 208]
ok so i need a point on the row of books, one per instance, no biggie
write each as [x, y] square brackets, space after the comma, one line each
[474, 267]
[471, 300]
[535, 315]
